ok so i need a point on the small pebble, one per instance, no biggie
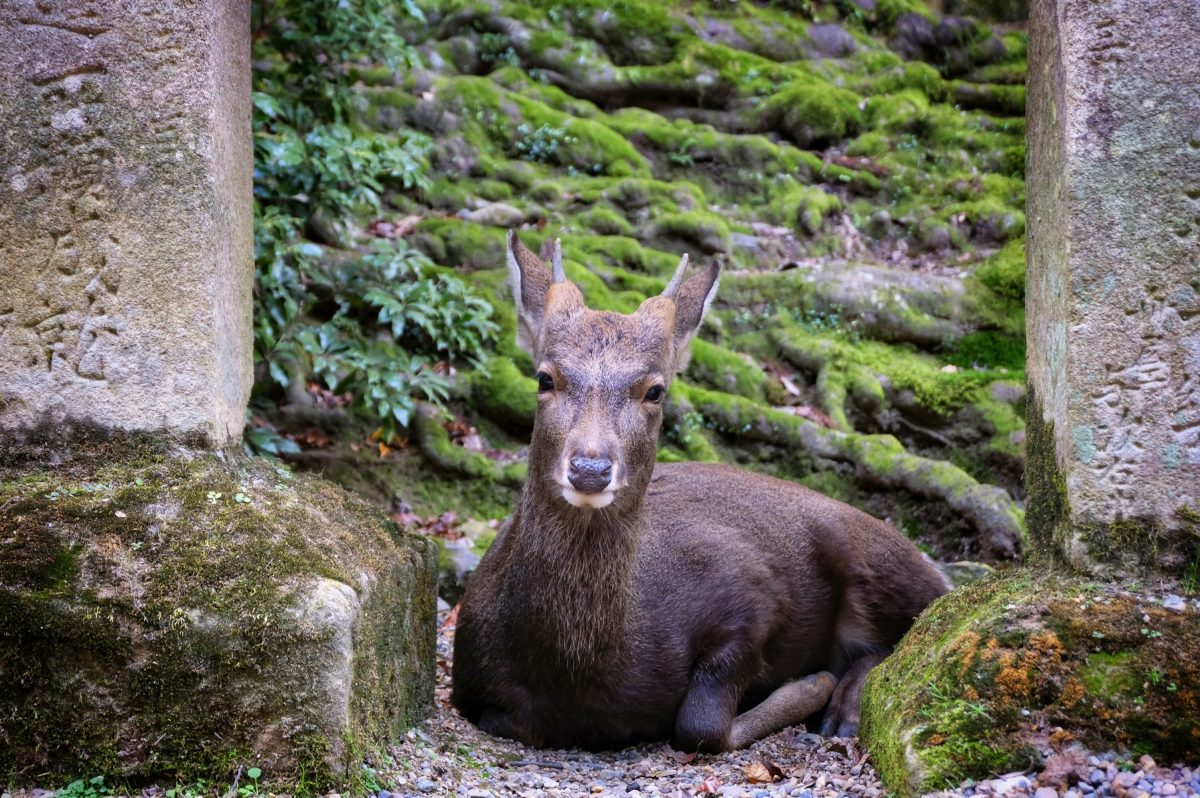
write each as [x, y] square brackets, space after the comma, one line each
[1046, 792]
[425, 785]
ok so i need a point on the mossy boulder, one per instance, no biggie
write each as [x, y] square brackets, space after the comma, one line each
[1000, 674]
[168, 611]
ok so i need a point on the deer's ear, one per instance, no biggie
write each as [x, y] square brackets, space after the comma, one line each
[529, 280]
[692, 298]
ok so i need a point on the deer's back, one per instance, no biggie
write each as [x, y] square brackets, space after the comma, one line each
[819, 551]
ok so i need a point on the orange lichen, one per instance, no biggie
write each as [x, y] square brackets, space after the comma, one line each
[1072, 692]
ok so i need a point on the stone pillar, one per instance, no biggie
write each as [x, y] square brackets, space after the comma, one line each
[1114, 276]
[990, 675]
[126, 245]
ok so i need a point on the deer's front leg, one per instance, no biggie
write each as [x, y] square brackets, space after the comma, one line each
[790, 704]
[706, 716]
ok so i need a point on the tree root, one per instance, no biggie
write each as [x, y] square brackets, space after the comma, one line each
[436, 446]
[877, 459]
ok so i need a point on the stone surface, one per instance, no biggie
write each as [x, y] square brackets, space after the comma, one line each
[176, 613]
[125, 201]
[1113, 302]
[1003, 674]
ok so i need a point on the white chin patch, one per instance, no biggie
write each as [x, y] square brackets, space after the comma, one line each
[592, 501]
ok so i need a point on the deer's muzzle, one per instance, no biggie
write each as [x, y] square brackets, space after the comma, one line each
[590, 474]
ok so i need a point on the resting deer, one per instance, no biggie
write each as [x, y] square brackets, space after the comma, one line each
[627, 601]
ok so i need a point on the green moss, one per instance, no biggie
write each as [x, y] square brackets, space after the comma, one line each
[606, 222]
[959, 697]
[504, 393]
[693, 229]
[528, 128]
[804, 207]
[493, 190]
[938, 391]
[1111, 675]
[164, 593]
[814, 113]
[999, 98]
[436, 446]
[1048, 510]
[454, 242]
[726, 371]
[989, 349]
[1004, 272]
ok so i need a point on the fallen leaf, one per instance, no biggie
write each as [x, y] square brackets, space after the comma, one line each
[864, 164]
[812, 414]
[710, 786]
[408, 224]
[757, 773]
[682, 757]
[789, 385]
[474, 442]
[775, 771]
[311, 438]
[949, 368]
[405, 518]
[1063, 768]
[384, 450]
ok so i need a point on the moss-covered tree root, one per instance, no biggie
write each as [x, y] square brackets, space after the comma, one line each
[880, 459]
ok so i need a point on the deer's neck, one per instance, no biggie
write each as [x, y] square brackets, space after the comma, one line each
[572, 570]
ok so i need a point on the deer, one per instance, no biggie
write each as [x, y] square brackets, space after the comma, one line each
[626, 601]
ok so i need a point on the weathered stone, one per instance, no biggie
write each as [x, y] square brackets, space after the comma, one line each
[989, 670]
[1113, 448]
[1114, 308]
[175, 612]
[125, 201]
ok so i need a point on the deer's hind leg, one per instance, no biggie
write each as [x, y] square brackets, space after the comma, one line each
[788, 705]
[844, 712]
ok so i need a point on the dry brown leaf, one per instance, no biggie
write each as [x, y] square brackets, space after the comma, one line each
[384, 450]
[472, 441]
[406, 518]
[408, 224]
[812, 414]
[312, 438]
[710, 786]
[789, 385]
[682, 757]
[757, 773]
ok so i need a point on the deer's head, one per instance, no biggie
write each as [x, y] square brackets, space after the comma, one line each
[602, 377]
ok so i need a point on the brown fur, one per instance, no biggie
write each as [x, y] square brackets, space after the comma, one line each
[697, 593]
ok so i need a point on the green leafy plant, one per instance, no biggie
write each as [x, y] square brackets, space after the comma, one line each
[251, 789]
[375, 324]
[541, 144]
[91, 788]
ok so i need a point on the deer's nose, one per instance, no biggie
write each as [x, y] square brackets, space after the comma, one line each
[590, 474]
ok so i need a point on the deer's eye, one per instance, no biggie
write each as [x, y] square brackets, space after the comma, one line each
[545, 382]
[656, 393]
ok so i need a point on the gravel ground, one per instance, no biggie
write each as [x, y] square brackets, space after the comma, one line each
[447, 756]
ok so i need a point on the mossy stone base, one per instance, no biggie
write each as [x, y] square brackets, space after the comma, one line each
[169, 612]
[997, 675]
